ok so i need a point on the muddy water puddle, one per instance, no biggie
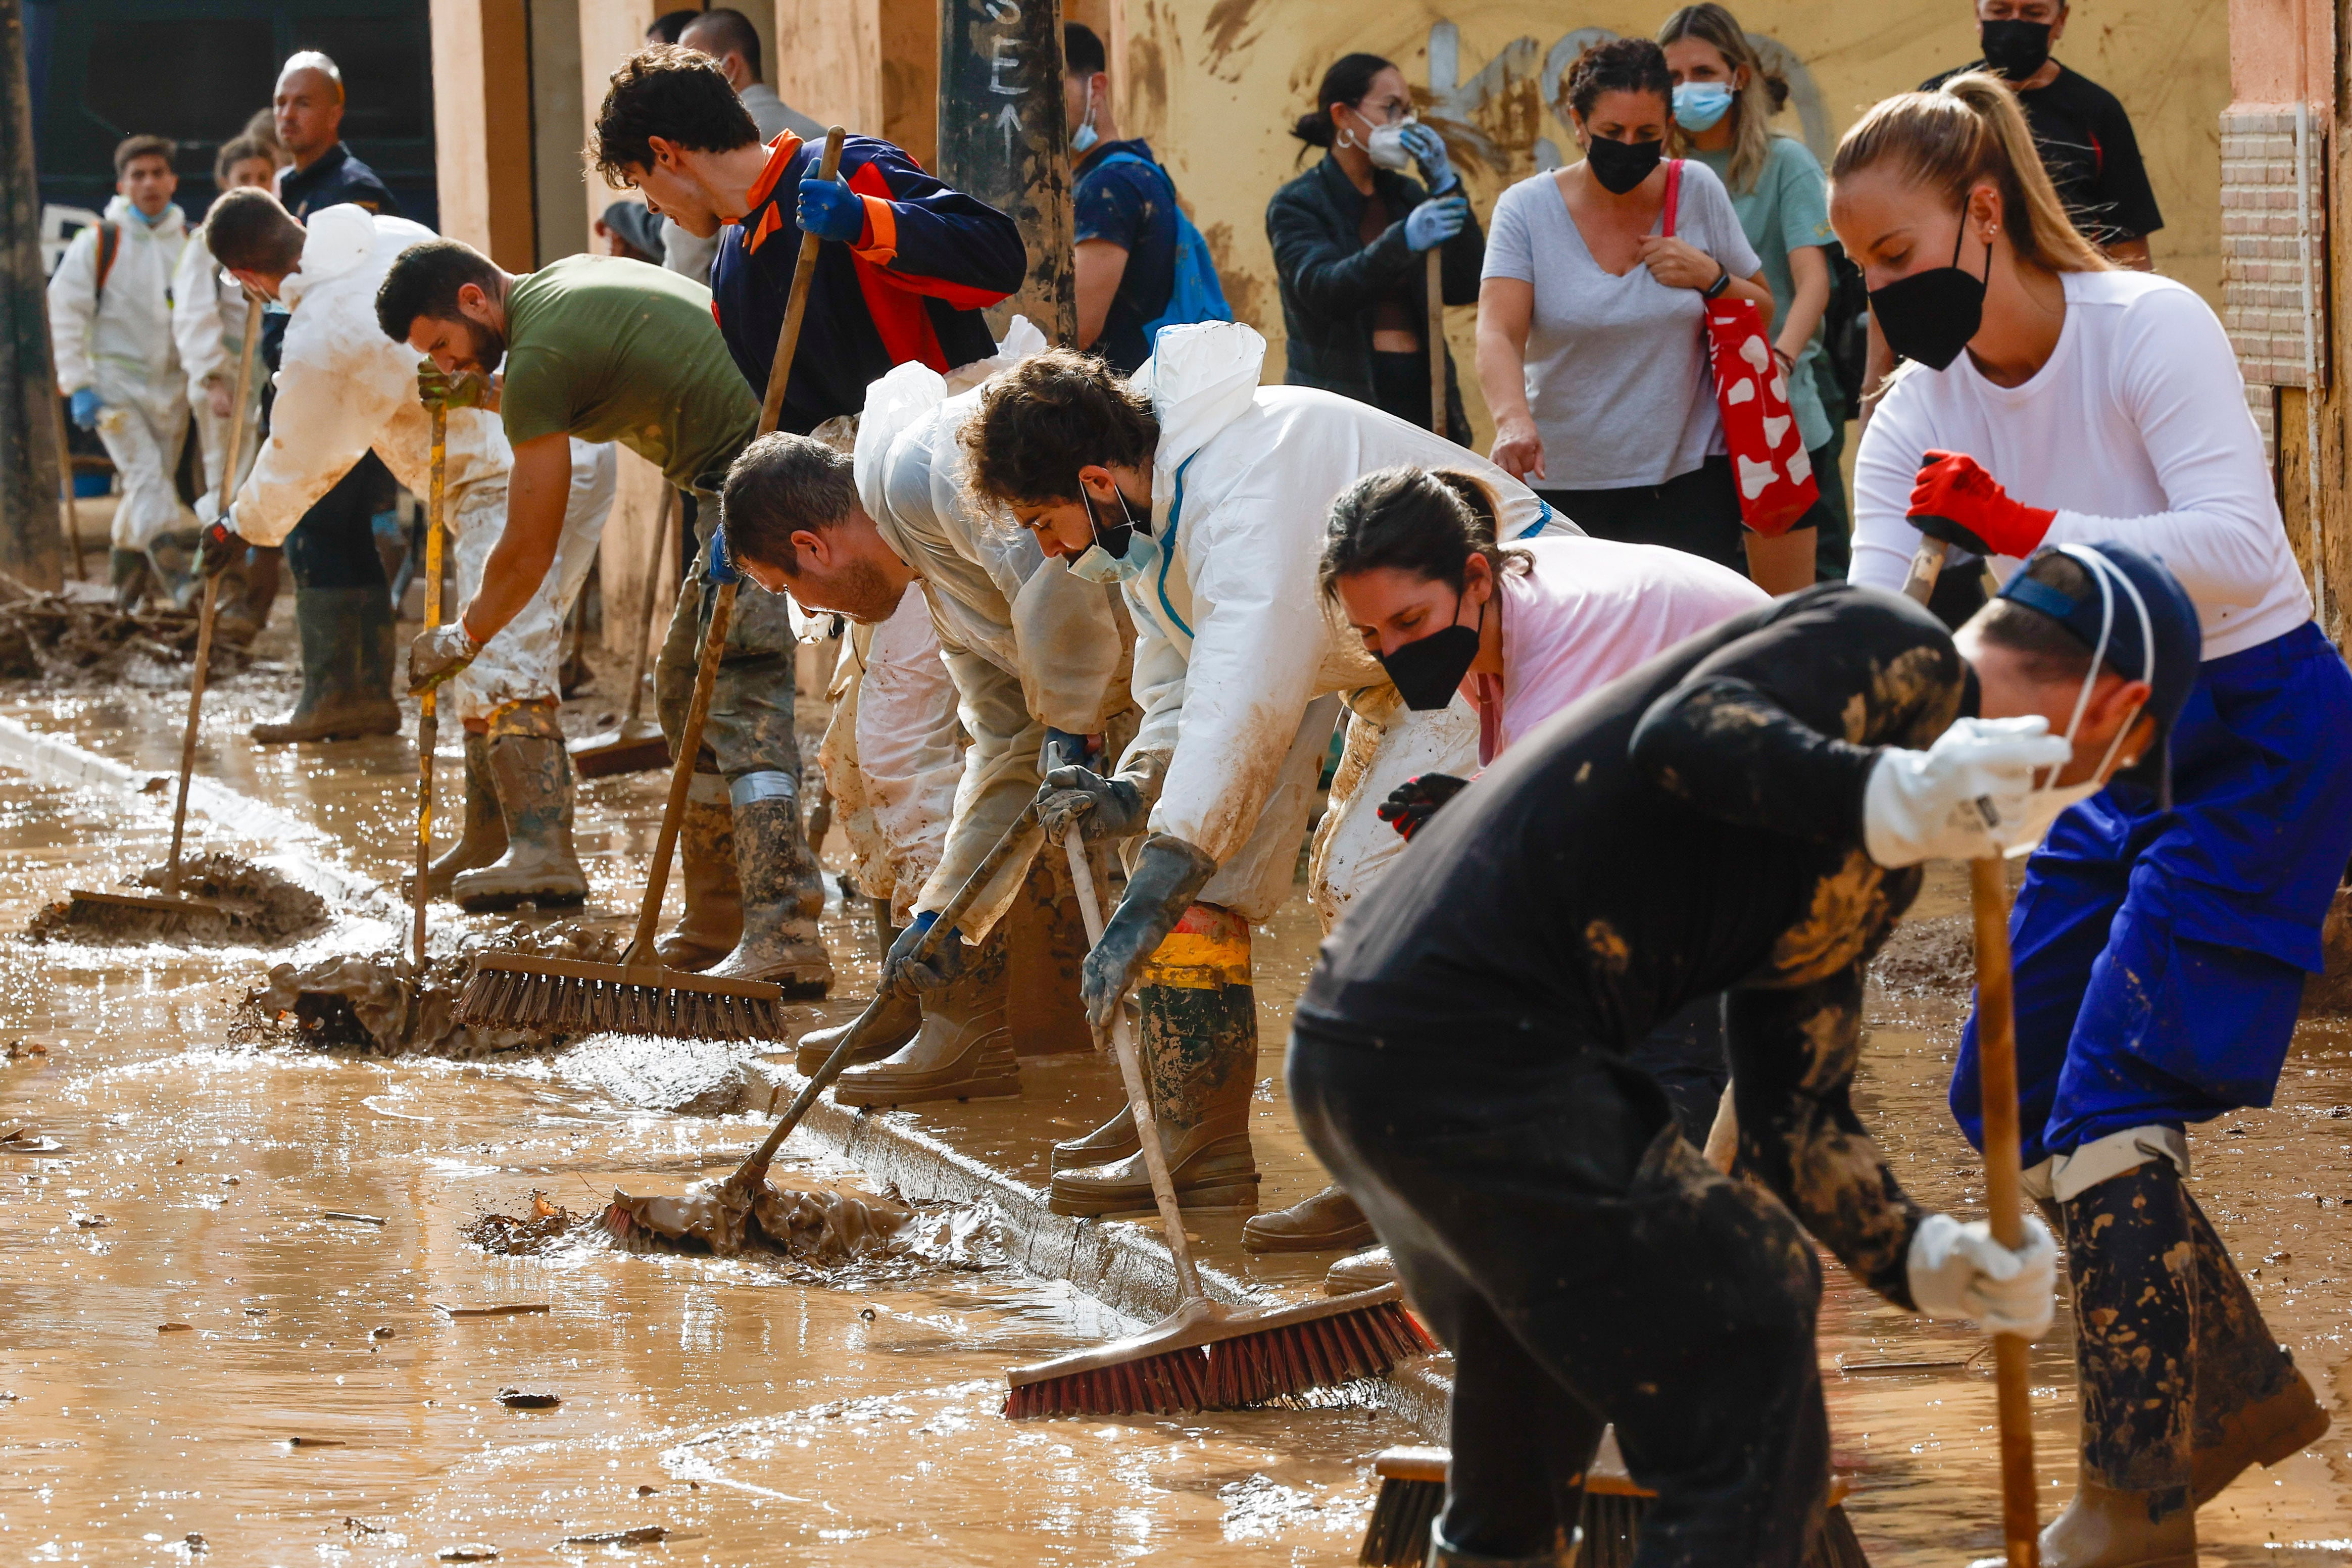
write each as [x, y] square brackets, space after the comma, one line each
[773, 1418]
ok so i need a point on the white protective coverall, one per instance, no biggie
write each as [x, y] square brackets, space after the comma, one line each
[1026, 643]
[208, 328]
[120, 343]
[344, 387]
[1240, 659]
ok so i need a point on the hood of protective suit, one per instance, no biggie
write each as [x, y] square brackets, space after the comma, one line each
[337, 241]
[1199, 378]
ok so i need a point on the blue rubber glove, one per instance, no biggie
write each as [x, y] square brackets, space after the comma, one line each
[86, 406]
[1428, 149]
[899, 968]
[719, 564]
[1433, 223]
[831, 210]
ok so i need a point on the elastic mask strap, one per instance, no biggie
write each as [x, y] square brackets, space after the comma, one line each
[2103, 571]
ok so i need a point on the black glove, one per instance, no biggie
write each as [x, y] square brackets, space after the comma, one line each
[1101, 807]
[221, 549]
[1158, 891]
[899, 968]
[1412, 803]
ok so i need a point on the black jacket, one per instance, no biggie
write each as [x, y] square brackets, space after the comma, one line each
[336, 176]
[1331, 280]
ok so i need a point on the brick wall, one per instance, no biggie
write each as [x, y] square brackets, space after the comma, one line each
[2262, 265]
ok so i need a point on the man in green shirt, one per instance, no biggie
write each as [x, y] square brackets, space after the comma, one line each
[611, 350]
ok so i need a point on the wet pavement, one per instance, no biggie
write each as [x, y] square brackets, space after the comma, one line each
[754, 1409]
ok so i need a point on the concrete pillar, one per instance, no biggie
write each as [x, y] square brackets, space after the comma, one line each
[481, 125]
[1001, 139]
[31, 545]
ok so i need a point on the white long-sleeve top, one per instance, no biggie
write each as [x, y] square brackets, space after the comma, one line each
[1234, 638]
[2137, 431]
[343, 386]
[119, 343]
[207, 316]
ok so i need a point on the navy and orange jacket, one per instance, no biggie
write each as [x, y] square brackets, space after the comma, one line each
[912, 287]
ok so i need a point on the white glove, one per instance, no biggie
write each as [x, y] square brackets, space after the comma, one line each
[1960, 1271]
[1948, 801]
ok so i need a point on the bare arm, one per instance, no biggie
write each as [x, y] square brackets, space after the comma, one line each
[1506, 307]
[1809, 268]
[1101, 266]
[537, 490]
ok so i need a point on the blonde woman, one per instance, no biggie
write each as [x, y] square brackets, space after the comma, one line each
[1722, 112]
[2165, 924]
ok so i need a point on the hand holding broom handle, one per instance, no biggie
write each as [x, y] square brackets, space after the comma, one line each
[942, 933]
[714, 641]
[1997, 1066]
[212, 594]
[428, 718]
[1139, 1093]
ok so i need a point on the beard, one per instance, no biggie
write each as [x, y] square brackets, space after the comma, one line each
[488, 348]
[860, 592]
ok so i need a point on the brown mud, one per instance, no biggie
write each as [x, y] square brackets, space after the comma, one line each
[68, 639]
[264, 908]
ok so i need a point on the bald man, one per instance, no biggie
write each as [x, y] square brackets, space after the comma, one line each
[308, 108]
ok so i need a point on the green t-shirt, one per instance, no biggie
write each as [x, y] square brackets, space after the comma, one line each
[611, 350]
[1789, 206]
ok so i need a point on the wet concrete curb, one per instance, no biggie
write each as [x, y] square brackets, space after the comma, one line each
[1121, 1264]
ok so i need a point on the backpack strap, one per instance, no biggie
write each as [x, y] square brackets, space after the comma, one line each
[1674, 195]
[109, 246]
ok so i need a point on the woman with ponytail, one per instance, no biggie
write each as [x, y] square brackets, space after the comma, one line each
[2165, 924]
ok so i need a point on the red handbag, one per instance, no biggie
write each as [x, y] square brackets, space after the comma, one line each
[1769, 462]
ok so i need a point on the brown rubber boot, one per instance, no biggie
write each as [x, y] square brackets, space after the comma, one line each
[964, 1049]
[782, 893]
[712, 922]
[1366, 1271]
[1200, 1051]
[2262, 1433]
[1328, 1222]
[485, 836]
[347, 638]
[900, 1018]
[2254, 1404]
[534, 773]
[1114, 1140]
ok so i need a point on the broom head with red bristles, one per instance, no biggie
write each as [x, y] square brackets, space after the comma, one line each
[1208, 1356]
[568, 997]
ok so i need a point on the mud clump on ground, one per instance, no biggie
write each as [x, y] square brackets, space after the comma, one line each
[381, 1005]
[815, 1226]
[262, 908]
[1934, 957]
[56, 636]
[530, 1234]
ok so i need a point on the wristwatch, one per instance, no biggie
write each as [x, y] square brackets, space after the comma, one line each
[1722, 281]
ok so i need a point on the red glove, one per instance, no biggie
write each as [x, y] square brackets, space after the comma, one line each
[1956, 500]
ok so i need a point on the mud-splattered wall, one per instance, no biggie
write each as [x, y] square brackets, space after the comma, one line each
[1216, 83]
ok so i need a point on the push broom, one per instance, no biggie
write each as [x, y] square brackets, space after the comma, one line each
[637, 746]
[1205, 1355]
[514, 990]
[171, 908]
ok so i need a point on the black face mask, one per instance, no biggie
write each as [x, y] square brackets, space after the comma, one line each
[1930, 316]
[1428, 669]
[2015, 49]
[1621, 166]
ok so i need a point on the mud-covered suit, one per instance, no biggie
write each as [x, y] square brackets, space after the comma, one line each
[343, 389]
[1459, 1059]
[117, 341]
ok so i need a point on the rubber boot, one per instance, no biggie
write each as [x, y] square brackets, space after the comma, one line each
[533, 776]
[347, 638]
[127, 574]
[900, 1018]
[1200, 1053]
[712, 921]
[1366, 1271]
[1330, 1221]
[783, 891]
[964, 1048]
[484, 838]
[1445, 1554]
[2130, 1250]
[1114, 1140]
[2254, 1406]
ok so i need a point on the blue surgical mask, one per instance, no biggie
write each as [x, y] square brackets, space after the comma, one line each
[1701, 105]
[1118, 554]
[1083, 138]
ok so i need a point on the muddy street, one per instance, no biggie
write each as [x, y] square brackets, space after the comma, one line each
[203, 1356]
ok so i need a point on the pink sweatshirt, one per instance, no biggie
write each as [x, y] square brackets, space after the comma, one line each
[1592, 610]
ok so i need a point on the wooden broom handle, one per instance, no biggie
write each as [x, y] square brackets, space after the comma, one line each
[2004, 1197]
[780, 373]
[428, 718]
[1437, 339]
[203, 672]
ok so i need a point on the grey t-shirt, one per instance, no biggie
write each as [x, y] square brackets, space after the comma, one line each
[1617, 373]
